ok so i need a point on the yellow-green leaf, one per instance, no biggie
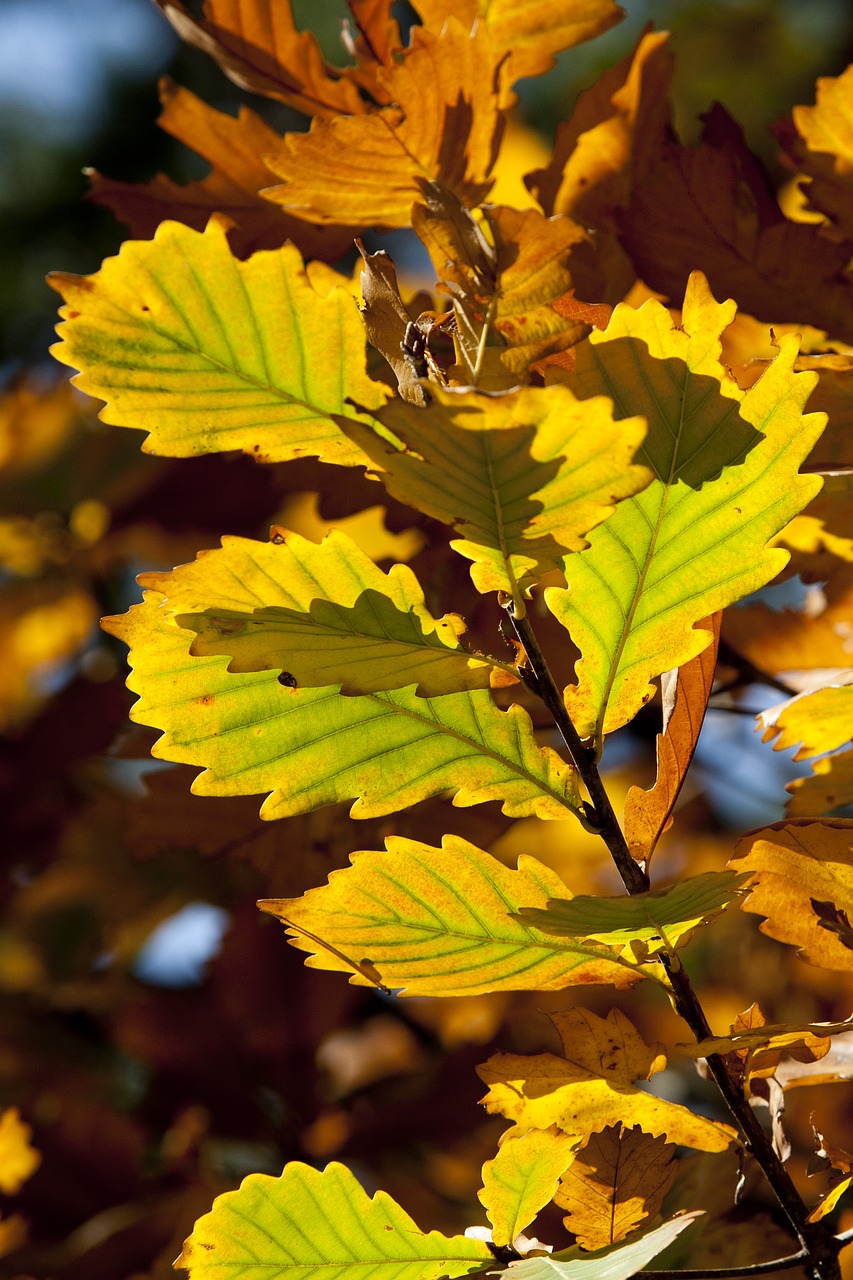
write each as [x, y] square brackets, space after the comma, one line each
[438, 922]
[320, 1225]
[322, 614]
[726, 480]
[802, 879]
[522, 477]
[658, 919]
[521, 1180]
[208, 353]
[313, 747]
[593, 1085]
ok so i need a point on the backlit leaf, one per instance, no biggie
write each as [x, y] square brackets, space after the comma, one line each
[617, 1179]
[821, 146]
[444, 124]
[522, 477]
[529, 31]
[829, 786]
[312, 747]
[439, 922]
[320, 1225]
[619, 1262]
[208, 353]
[258, 46]
[695, 539]
[792, 863]
[685, 694]
[796, 640]
[657, 919]
[324, 614]
[234, 148]
[820, 720]
[521, 1180]
[593, 1085]
[18, 1158]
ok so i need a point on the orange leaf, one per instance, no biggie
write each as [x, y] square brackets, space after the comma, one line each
[233, 148]
[794, 641]
[618, 1179]
[800, 866]
[444, 124]
[257, 45]
[685, 697]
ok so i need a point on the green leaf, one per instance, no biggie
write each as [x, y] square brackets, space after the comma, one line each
[656, 919]
[522, 477]
[208, 353]
[439, 922]
[522, 1179]
[313, 1225]
[695, 540]
[324, 614]
[313, 747]
[618, 1262]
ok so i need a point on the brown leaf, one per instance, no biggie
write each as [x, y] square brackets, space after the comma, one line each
[444, 124]
[257, 45]
[387, 322]
[820, 144]
[793, 862]
[617, 1180]
[234, 149]
[685, 696]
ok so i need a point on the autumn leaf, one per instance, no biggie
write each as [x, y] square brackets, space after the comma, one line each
[617, 1262]
[820, 144]
[444, 125]
[820, 719]
[207, 353]
[324, 615]
[829, 786]
[793, 862]
[657, 920]
[522, 1179]
[593, 1085]
[761, 1047]
[823, 532]
[684, 693]
[388, 324]
[439, 922]
[838, 1159]
[234, 149]
[504, 279]
[617, 1180]
[695, 540]
[796, 639]
[316, 1224]
[529, 32]
[522, 477]
[18, 1158]
[312, 747]
[257, 45]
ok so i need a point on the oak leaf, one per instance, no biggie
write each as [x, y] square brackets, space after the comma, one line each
[312, 747]
[820, 144]
[617, 1180]
[593, 1085]
[522, 1179]
[439, 922]
[829, 786]
[324, 614]
[794, 864]
[234, 149]
[315, 1225]
[444, 125]
[726, 480]
[820, 719]
[533, 471]
[684, 693]
[797, 639]
[208, 353]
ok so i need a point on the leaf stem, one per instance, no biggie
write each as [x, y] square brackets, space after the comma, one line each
[819, 1248]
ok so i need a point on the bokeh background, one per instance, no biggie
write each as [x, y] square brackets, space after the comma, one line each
[155, 1032]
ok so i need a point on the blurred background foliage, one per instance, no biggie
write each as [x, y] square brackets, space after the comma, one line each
[155, 1032]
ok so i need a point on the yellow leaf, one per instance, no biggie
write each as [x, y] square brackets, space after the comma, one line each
[822, 149]
[208, 353]
[592, 1085]
[521, 1180]
[18, 1158]
[617, 1180]
[828, 787]
[830, 1200]
[820, 720]
[796, 640]
[800, 868]
[522, 477]
[696, 539]
[438, 922]
[444, 124]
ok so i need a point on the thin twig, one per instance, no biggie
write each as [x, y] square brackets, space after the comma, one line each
[713, 1273]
